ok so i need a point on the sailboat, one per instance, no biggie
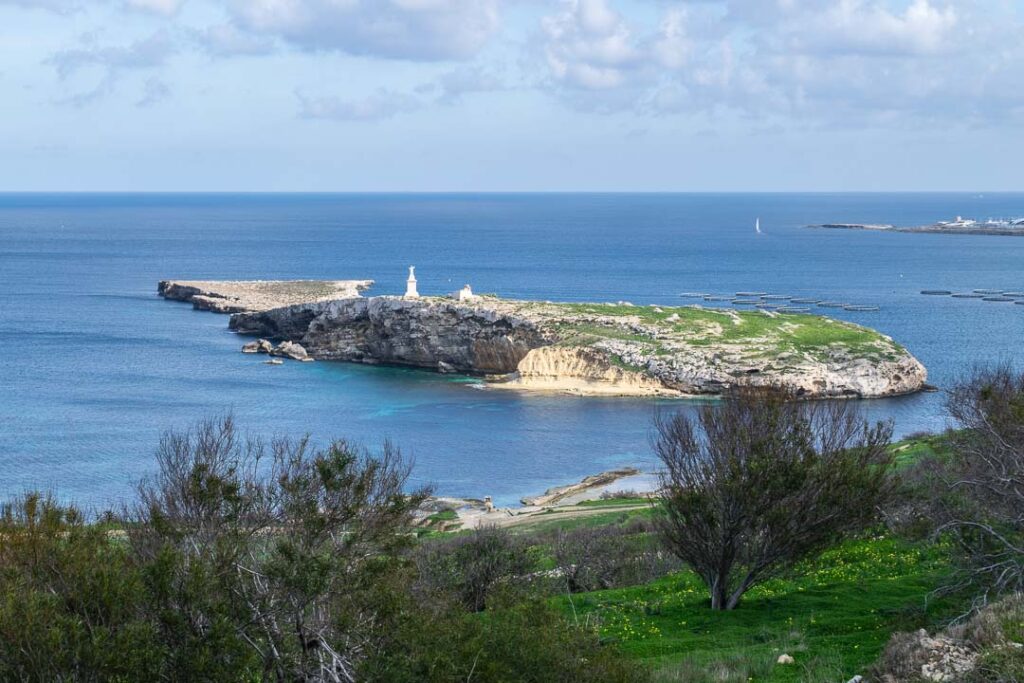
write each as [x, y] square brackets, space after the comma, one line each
[757, 226]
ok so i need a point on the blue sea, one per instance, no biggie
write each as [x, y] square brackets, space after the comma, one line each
[96, 366]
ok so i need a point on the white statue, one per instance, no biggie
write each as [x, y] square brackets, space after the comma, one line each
[410, 284]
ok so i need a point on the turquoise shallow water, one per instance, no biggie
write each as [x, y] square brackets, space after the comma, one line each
[97, 366]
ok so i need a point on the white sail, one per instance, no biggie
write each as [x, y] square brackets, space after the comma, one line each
[757, 226]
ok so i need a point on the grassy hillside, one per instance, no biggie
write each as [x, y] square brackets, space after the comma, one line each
[754, 333]
[834, 620]
[834, 617]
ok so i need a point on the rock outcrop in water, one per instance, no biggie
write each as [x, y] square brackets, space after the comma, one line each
[599, 348]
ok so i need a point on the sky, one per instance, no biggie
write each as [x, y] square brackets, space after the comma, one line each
[511, 95]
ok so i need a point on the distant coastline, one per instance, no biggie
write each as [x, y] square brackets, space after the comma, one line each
[959, 226]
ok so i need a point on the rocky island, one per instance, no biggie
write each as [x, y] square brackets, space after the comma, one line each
[583, 348]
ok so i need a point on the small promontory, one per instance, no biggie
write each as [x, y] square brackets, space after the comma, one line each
[240, 296]
[593, 348]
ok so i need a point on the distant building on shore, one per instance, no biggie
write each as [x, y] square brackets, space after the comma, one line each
[464, 294]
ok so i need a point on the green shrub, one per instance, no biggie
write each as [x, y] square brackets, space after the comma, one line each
[473, 566]
[72, 603]
[527, 642]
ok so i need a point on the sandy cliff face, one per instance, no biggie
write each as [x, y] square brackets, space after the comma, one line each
[569, 348]
[583, 371]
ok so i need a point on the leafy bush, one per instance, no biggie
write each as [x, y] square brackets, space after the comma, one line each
[621, 494]
[72, 602]
[474, 565]
[527, 642]
[281, 549]
[598, 558]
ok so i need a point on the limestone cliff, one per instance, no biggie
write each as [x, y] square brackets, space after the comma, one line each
[437, 335]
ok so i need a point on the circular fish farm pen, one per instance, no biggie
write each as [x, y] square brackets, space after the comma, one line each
[693, 295]
[968, 295]
[937, 292]
[1014, 295]
[861, 309]
[747, 294]
[999, 299]
[988, 291]
[806, 301]
[717, 298]
[801, 309]
[769, 307]
[745, 302]
[1019, 303]
[831, 304]
[776, 297]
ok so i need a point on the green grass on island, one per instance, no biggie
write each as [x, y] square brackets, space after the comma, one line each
[755, 333]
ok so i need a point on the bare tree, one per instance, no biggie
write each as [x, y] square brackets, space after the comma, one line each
[758, 482]
[982, 507]
[289, 536]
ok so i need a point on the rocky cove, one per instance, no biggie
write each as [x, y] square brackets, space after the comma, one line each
[581, 348]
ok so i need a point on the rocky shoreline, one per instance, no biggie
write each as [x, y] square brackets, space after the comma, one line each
[586, 349]
[568, 501]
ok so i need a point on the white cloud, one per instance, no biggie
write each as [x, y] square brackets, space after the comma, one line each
[165, 7]
[588, 45]
[828, 62]
[451, 86]
[809, 62]
[860, 27]
[673, 46]
[591, 46]
[59, 6]
[146, 53]
[381, 104]
[112, 61]
[226, 40]
[448, 88]
[402, 29]
[153, 92]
